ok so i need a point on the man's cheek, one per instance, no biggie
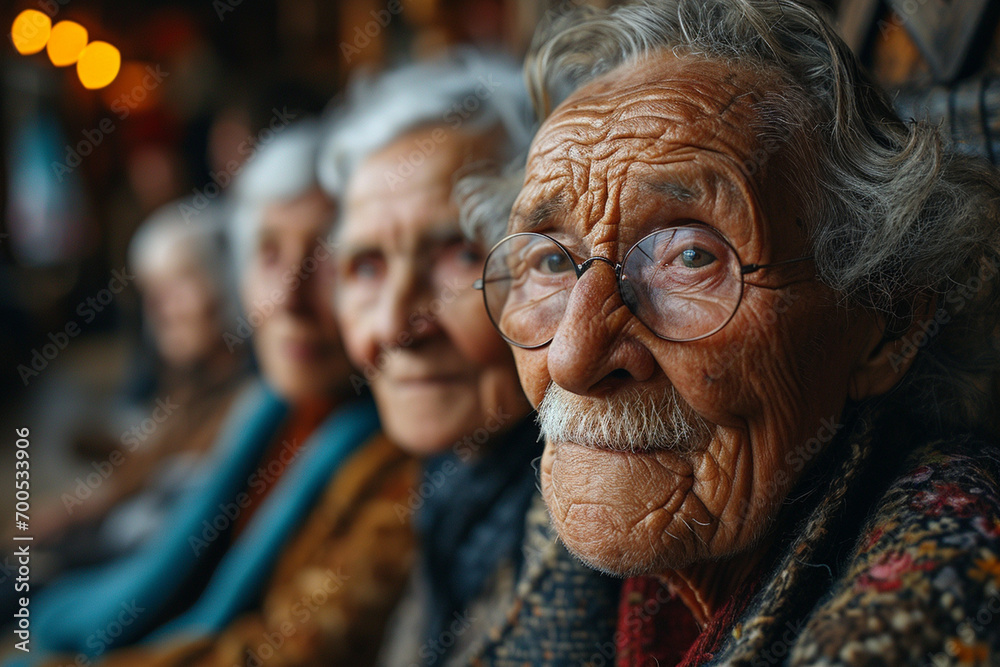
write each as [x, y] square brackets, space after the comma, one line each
[531, 369]
[712, 391]
[744, 373]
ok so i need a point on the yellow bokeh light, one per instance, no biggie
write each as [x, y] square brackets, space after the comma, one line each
[30, 31]
[66, 43]
[98, 65]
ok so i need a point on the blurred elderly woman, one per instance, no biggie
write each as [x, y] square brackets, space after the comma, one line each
[183, 277]
[492, 585]
[185, 288]
[758, 316]
[291, 532]
[186, 305]
[155, 444]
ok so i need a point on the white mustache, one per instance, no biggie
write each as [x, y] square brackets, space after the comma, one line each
[633, 420]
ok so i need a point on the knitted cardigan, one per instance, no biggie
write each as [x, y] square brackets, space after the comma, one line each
[891, 559]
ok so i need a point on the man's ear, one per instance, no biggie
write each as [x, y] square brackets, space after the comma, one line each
[886, 358]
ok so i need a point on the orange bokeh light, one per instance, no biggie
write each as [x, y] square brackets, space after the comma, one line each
[98, 65]
[66, 43]
[132, 91]
[30, 31]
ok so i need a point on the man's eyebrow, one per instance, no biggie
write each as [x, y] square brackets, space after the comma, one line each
[679, 191]
[537, 215]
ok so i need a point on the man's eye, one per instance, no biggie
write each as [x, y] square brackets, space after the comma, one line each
[695, 258]
[553, 262]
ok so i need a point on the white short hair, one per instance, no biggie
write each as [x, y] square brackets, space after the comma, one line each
[281, 170]
[464, 89]
[203, 237]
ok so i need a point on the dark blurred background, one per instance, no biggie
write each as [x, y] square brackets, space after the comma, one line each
[200, 82]
[81, 169]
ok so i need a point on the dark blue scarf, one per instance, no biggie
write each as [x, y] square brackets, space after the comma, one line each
[472, 520]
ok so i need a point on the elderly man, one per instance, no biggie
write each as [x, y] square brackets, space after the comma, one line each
[756, 313]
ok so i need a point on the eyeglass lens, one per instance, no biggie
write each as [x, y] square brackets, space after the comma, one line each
[683, 283]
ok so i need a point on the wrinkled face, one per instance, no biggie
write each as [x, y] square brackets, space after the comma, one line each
[286, 296]
[181, 304]
[646, 147]
[412, 323]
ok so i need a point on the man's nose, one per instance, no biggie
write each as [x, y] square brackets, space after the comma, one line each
[593, 347]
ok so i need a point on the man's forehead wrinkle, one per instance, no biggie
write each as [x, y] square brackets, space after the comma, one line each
[654, 129]
[662, 117]
[597, 116]
[691, 98]
[565, 146]
[674, 189]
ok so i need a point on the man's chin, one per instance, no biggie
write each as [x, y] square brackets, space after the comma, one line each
[601, 513]
[619, 558]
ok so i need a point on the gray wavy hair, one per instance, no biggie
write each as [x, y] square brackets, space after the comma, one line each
[896, 220]
[463, 89]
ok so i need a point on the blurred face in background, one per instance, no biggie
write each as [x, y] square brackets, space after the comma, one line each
[411, 320]
[286, 297]
[180, 303]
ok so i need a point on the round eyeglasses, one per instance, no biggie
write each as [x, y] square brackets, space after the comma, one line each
[683, 283]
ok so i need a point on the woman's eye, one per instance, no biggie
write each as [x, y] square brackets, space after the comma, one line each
[470, 255]
[366, 268]
[695, 258]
